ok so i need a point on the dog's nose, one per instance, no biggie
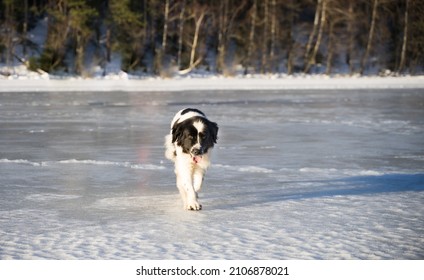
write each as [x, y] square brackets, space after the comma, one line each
[196, 152]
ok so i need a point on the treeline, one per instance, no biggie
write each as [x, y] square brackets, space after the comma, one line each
[164, 37]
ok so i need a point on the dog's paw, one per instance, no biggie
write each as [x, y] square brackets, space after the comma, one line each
[194, 206]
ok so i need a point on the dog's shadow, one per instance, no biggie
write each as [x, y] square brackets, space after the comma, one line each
[298, 190]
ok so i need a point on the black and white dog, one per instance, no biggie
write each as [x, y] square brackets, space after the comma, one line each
[189, 145]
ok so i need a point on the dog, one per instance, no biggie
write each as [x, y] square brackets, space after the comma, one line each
[189, 145]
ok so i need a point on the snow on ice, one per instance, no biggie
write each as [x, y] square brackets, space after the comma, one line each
[302, 169]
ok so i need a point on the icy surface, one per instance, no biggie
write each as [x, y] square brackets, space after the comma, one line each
[296, 174]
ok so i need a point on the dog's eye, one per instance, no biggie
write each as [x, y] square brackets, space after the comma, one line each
[190, 137]
[202, 136]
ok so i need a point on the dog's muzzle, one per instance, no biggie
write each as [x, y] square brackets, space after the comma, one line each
[197, 152]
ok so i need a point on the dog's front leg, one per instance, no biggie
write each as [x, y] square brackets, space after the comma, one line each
[182, 191]
[185, 186]
[198, 179]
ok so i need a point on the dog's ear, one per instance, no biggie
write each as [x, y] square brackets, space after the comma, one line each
[213, 130]
[177, 132]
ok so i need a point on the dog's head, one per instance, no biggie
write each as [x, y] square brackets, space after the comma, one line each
[195, 135]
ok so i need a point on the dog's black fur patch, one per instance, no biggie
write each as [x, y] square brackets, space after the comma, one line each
[185, 111]
[186, 134]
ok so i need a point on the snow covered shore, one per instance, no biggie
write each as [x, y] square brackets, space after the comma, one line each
[123, 82]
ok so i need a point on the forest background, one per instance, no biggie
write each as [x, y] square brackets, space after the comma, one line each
[227, 37]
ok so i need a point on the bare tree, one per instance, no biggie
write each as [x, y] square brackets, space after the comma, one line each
[273, 34]
[322, 21]
[227, 13]
[337, 20]
[222, 34]
[160, 57]
[25, 28]
[351, 20]
[165, 27]
[265, 40]
[370, 36]
[405, 39]
[149, 34]
[330, 48]
[292, 10]
[9, 31]
[416, 41]
[313, 31]
[251, 43]
[181, 20]
[198, 14]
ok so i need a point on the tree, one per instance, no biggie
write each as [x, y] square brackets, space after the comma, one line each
[25, 28]
[161, 53]
[338, 17]
[8, 30]
[415, 54]
[311, 58]
[197, 13]
[404, 39]
[149, 35]
[52, 57]
[181, 20]
[251, 43]
[127, 26]
[222, 34]
[314, 30]
[227, 13]
[351, 23]
[265, 39]
[291, 9]
[80, 17]
[273, 35]
[370, 36]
